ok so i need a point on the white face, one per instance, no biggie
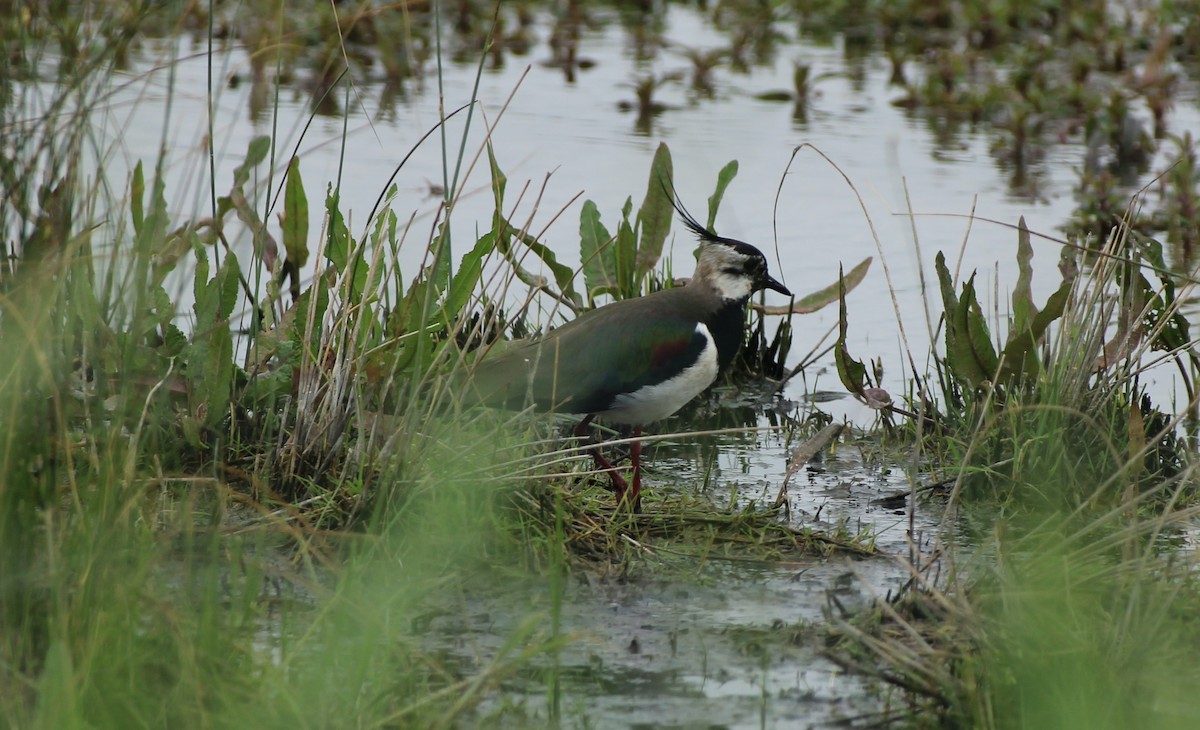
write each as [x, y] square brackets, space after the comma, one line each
[727, 271]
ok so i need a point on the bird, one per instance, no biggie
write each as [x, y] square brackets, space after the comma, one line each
[635, 361]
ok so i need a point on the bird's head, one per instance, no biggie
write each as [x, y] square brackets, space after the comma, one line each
[732, 268]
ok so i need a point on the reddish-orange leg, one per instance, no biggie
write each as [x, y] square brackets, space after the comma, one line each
[635, 456]
[629, 493]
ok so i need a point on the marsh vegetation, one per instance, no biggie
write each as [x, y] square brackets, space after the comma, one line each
[239, 488]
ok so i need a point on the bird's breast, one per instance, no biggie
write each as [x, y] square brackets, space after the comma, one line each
[728, 328]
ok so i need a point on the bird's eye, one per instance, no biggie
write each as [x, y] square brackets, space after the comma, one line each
[731, 271]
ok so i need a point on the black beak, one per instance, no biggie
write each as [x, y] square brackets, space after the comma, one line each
[770, 283]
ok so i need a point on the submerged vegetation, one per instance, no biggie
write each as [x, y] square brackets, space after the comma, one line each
[238, 487]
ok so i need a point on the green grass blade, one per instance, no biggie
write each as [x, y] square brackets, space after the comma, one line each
[137, 191]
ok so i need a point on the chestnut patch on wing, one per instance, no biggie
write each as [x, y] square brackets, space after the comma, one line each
[669, 353]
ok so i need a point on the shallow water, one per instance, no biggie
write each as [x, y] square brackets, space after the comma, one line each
[731, 643]
[687, 637]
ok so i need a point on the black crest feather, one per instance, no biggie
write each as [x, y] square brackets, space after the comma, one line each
[700, 231]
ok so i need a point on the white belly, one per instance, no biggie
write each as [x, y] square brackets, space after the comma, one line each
[655, 402]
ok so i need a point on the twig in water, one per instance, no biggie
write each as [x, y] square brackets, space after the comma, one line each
[801, 456]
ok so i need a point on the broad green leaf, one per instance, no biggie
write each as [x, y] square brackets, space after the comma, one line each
[1051, 310]
[440, 270]
[224, 205]
[946, 284]
[337, 240]
[177, 245]
[467, 276]
[264, 242]
[153, 229]
[255, 153]
[174, 341]
[199, 277]
[210, 356]
[228, 277]
[501, 233]
[950, 310]
[563, 275]
[215, 298]
[822, 297]
[973, 359]
[504, 236]
[724, 177]
[499, 179]
[851, 372]
[1020, 353]
[394, 245]
[1153, 251]
[597, 253]
[1023, 307]
[216, 384]
[1174, 326]
[981, 339]
[270, 387]
[1175, 331]
[163, 307]
[89, 316]
[294, 218]
[306, 333]
[340, 249]
[417, 342]
[1020, 357]
[626, 248]
[654, 217]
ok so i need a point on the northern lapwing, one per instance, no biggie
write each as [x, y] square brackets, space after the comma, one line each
[636, 361]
